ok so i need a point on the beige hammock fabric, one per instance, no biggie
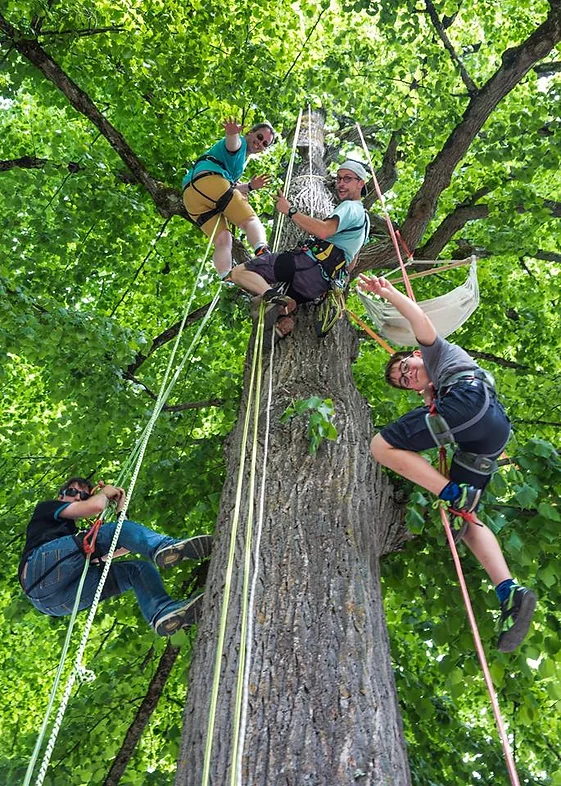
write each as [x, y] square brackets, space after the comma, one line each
[447, 312]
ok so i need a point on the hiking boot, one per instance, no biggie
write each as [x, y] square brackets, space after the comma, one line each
[183, 616]
[260, 250]
[468, 500]
[274, 297]
[198, 547]
[516, 614]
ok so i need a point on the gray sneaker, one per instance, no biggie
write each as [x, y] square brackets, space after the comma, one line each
[516, 615]
[198, 547]
[182, 617]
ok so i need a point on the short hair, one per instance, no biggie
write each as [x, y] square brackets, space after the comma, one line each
[257, 126]
[76, 480]
[397, 357]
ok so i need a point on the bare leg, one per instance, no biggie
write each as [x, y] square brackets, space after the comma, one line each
[479, 539]
[408, 464]
[255, 232]
[222, 256]
[485, 548]
[250, 281]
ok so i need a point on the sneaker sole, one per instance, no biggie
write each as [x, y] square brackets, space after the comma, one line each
[198, 547]
[512, 638]
[183, 618]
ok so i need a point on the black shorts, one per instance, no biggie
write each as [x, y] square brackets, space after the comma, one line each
[477, 420]
[305, 278]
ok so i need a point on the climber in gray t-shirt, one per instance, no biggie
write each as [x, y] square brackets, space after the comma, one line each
[462, 398]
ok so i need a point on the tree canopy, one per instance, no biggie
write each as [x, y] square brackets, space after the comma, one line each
[102, 108]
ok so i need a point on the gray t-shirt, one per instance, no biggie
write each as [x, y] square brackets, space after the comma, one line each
[443, 359]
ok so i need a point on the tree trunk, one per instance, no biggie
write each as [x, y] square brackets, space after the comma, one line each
[322, 705]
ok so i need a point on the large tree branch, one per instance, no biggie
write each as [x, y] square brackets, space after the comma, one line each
[25, 162]
[167, 200]
[213, 402]
[516, 62]
[439, 27]
[500, 361]
[547, 256]
[164, 337]
[466, 211]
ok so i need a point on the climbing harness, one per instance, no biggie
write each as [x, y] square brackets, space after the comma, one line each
[220, 204]
[331, 258]
[136, 457]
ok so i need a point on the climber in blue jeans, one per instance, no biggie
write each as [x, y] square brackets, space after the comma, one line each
[53, 559]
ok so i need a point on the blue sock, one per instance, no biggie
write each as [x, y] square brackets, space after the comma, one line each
[503, 589]
[450, 492]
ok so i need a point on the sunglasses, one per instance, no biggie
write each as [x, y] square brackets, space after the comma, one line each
[71, 492]
[264, 142]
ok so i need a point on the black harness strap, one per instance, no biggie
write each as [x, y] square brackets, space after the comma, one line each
[220, 204]
[330, 257]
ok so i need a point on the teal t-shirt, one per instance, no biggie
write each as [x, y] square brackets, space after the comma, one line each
[229, 165]
[352, 231]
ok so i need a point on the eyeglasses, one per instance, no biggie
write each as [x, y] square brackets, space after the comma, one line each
[263, 141]
[346, 178]
[404, 373]
[72, 492]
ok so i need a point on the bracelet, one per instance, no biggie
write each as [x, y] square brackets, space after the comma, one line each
[249, 187]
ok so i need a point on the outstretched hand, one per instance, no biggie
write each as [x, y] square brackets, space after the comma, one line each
[379, 285]
[259, 181]
[231, 126]
[283, 205]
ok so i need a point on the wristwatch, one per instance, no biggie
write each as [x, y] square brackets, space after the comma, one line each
[292, 211]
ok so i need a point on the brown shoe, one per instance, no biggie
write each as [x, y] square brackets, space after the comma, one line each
[283, 327]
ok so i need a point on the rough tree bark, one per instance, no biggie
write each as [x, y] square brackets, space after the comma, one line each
[322, 704]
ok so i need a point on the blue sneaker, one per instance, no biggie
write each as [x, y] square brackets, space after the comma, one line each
[516, 615]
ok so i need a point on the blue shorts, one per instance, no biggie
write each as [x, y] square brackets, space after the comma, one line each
[477, 420]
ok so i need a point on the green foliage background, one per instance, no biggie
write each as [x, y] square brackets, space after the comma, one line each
[90, 274]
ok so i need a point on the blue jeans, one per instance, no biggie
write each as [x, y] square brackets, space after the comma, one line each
[56, 592]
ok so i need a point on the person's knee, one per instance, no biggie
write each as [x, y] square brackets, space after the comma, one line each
[249, 223]
[223, 239]
[237, 272]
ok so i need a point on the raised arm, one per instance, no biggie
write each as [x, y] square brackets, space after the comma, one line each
[232, 130]
[422, 327]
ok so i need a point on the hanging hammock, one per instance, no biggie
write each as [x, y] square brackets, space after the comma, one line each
[447, 312]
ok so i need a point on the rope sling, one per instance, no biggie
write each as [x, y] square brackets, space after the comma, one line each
[511, 766]
[135, 458]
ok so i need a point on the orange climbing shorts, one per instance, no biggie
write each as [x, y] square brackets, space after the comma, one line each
[201, 196]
